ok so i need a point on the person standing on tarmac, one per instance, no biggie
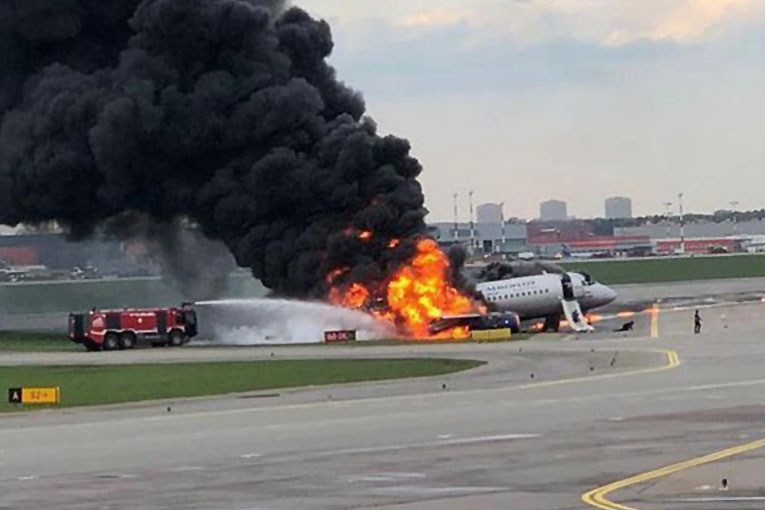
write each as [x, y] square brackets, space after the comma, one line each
[697, 323]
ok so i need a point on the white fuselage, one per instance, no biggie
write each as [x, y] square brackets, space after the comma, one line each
[533, 297]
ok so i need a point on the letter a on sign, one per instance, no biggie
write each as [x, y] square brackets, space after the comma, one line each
[14, 395]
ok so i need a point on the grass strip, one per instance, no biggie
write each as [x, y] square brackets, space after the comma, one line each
[83, 385]
[613, 272]
[21, 341]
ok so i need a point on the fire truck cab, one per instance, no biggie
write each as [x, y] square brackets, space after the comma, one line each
[111, 330]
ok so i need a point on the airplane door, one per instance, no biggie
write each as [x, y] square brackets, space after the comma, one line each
[568, 287]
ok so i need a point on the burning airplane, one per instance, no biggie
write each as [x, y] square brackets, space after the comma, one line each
[415, 295]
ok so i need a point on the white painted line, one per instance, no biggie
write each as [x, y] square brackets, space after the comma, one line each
[27, 478]
[184, 469]
[441, 436]
[717, 500]
[385, 477]
[250, 455]
[427, 444]
[488, 439]
[428, 491]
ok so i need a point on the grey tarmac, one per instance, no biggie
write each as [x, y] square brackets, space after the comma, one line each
[491, 438]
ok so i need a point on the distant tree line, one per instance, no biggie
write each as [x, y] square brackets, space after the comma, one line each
[606, 226]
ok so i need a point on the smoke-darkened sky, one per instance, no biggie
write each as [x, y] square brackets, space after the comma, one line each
[524, 100]
[222, 112]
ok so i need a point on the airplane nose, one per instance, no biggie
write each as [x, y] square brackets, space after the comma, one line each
[608, 294]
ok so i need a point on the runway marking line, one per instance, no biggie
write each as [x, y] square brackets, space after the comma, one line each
[718, 500]
[429, 444]
[655, 320]
[597, 497]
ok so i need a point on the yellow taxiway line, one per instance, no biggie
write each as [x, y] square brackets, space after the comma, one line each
[673, 361]
[597, 497]
[655, 320]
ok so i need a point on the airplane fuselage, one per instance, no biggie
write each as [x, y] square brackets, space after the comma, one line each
[533, 297]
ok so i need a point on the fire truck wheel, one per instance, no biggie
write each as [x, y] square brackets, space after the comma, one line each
[111, 342]
[176, 338]
[127, 340]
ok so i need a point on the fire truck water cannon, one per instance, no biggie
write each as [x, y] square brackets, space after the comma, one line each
[110, 330]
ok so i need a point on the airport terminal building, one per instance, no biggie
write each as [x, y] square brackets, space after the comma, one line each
[487, 238]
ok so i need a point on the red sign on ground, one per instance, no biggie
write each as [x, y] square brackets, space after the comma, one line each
[343, 335]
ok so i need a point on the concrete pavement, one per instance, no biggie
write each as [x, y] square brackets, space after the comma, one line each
[493, 438]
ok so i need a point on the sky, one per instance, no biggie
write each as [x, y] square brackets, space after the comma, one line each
[578, 100]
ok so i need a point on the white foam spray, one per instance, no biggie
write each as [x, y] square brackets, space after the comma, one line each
[281, 321]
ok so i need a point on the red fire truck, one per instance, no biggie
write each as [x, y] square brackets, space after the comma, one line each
[110, 330]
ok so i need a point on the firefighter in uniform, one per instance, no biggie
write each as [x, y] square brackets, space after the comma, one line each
[697, 323]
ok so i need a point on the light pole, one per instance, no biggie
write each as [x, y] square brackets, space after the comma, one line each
[682, 224]
[472, 225]
[456, 220]
[668, 215]
[734, 207]
[502, 218]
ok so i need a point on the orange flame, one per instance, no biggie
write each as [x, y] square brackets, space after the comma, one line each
[393, 243]
[593, 317]
[335, 274]
[355, 297]
[417, 294]
[365, 235]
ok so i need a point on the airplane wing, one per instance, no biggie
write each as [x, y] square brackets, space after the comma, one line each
[452, 321]
[476, 321]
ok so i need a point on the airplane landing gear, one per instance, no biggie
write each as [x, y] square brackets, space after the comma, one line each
[552, 323]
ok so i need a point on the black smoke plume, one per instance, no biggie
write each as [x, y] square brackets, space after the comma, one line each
[503, 270]
[223, 113]
[198, 267]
